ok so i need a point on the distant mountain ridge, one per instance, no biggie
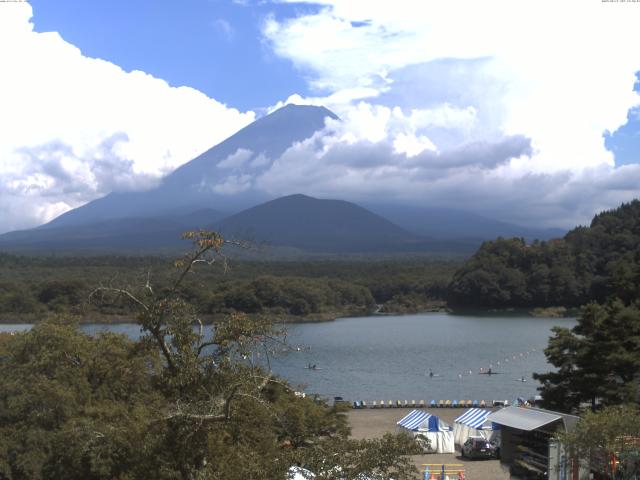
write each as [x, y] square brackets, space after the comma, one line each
[318, 225]
[297, 221]
[196, 195]
[132, 235]
[448, 223]
[193, 185]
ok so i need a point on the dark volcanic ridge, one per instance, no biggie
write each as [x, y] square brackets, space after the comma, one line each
[191, 197]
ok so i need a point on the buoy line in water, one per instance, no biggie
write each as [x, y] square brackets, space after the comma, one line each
[490, 370]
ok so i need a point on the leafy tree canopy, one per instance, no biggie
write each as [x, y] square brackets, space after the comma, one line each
[33, 287]
[597, 361]
[180, 403]
[589, 264]
[609, 440]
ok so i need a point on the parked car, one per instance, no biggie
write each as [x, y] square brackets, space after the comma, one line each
[478, 447]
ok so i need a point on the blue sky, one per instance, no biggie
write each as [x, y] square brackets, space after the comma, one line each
[214, 46]
[625, 142]
[451, 104]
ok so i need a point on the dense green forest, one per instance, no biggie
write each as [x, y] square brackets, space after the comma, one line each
[177, 404]
[589, 264]
[596, 362]
[31, 287]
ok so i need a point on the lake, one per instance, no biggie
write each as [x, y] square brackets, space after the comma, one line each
[389, 357]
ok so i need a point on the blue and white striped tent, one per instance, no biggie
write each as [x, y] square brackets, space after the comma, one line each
[474, 417]
[424, 424]
[473, 423]
[419, 420]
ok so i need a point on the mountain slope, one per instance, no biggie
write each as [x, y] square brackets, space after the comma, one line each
[323, 226]
[446, 223]
[203, 182]
[221, 180]
[139, 235]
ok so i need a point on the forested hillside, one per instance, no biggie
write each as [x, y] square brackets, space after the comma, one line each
[178, 403]
[589, 264]
[33, 287]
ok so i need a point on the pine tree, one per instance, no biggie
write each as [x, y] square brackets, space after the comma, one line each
[597, 361]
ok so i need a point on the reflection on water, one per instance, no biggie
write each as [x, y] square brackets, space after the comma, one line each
[389, 357]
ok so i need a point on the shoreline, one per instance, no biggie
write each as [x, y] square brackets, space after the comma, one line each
[101, 319]
[32, 319]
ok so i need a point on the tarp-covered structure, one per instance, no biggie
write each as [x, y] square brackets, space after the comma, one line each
[299, 473]
[423, 424]
[474, 423]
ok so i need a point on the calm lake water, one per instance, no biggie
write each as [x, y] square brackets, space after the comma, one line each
[389, 357]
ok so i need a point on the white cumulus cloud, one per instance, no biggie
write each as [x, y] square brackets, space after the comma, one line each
[236, 159]
[75, 128]
[457, 83]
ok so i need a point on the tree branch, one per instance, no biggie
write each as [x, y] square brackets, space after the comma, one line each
[204, 345]
[166, 351]
[119, 291]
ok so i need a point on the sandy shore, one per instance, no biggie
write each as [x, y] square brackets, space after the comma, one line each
[372, 423]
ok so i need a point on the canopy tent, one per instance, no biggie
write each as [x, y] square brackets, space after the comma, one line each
[474, 423]
[529, 418]
[423, 424]
[299, 473]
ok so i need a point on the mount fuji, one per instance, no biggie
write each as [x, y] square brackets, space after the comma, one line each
[212, 191]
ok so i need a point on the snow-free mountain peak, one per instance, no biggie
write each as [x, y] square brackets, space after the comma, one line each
[218, 190]
[315, 224]
[207, 181]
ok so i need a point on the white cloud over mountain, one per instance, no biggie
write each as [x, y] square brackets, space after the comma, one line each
[75, 128]
[457, 75]
[496, 106]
